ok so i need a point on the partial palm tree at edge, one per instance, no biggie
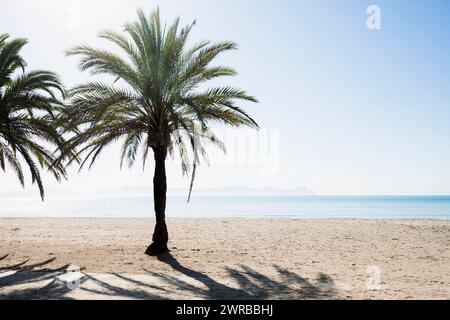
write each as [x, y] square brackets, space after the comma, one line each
[28, 112]
[155, 101]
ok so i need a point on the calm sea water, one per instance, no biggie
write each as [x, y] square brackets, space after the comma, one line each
[436, 207]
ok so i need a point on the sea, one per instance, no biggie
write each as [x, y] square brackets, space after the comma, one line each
[266, 207]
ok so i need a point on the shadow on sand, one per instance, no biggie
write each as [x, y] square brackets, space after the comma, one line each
[22, 275]
[242, 283]
[251, 285]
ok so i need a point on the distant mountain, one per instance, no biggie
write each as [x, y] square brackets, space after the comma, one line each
[241, 190]
[129, 191]
[238, 190]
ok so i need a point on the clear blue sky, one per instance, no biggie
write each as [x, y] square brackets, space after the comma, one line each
[357, 111]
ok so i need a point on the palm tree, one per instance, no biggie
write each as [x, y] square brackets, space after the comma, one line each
[157, 101]
[27, 115]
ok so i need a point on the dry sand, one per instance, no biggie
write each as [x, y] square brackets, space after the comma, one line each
[225, 259]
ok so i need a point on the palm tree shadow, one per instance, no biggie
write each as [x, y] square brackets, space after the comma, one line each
[251, 285]
[105, 288]
[37, 281]
[13, 277]
[24, 281]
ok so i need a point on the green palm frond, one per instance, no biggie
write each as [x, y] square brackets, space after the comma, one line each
[156, 97]
[29, 106]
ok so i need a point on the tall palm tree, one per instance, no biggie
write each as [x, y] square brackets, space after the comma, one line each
[27, 115]
[156, 100]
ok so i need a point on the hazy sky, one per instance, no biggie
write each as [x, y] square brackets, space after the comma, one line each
[343, 109]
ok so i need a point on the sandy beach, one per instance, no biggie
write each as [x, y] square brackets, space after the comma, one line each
[225, 259]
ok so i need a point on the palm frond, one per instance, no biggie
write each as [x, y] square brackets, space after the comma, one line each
[29, 104]
[160, 101]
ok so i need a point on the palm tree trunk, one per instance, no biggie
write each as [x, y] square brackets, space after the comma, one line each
[160, 235]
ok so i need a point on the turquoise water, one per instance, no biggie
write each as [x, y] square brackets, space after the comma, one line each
[404, 207]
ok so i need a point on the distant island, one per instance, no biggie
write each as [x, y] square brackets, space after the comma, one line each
[238, 190]
[130, 191]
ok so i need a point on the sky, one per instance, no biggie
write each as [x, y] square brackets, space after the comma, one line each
[344, 109]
